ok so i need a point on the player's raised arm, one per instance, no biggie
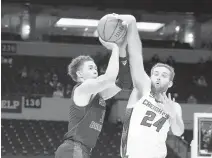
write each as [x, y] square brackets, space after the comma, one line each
[140, 79]
[96, 85]
[124, 80]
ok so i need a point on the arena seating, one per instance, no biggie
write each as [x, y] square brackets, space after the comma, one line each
[32, 137]
[25, 75]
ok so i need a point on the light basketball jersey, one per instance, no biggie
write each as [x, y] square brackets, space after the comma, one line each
[148, 129]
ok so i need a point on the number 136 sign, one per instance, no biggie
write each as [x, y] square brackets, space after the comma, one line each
[32, 102]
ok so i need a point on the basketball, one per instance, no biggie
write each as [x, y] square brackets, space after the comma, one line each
[110, 29]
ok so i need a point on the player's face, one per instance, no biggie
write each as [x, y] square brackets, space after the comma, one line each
[89, 70]
[160, 79]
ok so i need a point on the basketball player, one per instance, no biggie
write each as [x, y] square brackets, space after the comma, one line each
[153, 111]
[87, 108]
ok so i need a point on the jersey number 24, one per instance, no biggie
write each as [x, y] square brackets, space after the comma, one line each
[149, 118]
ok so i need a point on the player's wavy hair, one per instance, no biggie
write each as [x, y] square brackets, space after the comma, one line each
[170, 68]
[75, 64]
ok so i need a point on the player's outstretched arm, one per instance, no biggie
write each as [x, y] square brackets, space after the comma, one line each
[93, 86]
[175, 112]
[141, 80]
[177, 124]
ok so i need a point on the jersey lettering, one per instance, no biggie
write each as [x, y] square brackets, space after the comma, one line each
[150, 116]
[103, 116]
[96, 126]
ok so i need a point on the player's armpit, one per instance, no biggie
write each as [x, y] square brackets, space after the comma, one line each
[141, 82]
[93, 86]
[134, 98]
[177, 125]
[110, 92]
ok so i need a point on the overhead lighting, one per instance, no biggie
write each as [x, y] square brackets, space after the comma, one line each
[177, 28]
[161, 33]
[25, 31]
[189, 38]
[149, 26]
[70, 22]
[95, 34]
[190, 35]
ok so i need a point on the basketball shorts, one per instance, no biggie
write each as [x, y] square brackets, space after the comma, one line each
[142, 156]
[72, 149]
[146, 155]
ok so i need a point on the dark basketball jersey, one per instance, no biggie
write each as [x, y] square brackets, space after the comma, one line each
[85, 123]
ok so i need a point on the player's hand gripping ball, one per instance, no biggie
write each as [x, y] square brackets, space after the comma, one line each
[108, 45]
[112, 29]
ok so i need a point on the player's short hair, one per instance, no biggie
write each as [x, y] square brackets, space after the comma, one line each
[75, 64]
[170, 68]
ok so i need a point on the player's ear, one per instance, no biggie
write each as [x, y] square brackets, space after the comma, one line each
[79, 74]
[170, 84]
